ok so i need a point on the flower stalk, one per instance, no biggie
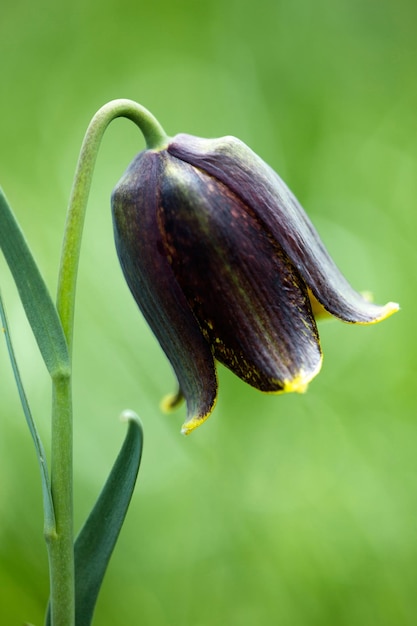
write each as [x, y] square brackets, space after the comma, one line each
[61, 543]
[155, 138]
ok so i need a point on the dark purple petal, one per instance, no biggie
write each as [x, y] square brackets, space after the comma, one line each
[248, 176]
[135, 203]
[251, 303]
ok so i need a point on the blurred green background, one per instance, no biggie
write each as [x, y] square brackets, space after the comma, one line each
[298, 510]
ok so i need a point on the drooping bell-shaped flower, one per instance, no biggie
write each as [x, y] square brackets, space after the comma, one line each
[225, 265]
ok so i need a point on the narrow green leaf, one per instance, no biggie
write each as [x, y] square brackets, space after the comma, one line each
[48, 507]
[97, 539]
[35, 297]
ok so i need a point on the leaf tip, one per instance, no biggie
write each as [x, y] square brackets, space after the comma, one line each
[129, 416]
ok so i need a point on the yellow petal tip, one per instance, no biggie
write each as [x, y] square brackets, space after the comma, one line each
[171, 401]
[386, 311]
[192, 424]
[389, 309]
[299, 383]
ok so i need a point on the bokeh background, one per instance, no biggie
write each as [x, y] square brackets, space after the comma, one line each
[298, 510]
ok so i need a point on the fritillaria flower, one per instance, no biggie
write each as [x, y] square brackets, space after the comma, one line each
[225, 265]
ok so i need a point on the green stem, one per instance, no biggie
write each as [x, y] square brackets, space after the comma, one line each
[60, 544]
[155, 138]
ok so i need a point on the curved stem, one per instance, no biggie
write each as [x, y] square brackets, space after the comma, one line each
[60, 544]
[155, 138]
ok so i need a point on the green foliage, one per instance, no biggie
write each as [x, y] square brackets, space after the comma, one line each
[48, 507]
[97, 538]
[33, 293]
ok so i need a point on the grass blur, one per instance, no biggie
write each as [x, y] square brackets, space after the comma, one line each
[298, 510]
